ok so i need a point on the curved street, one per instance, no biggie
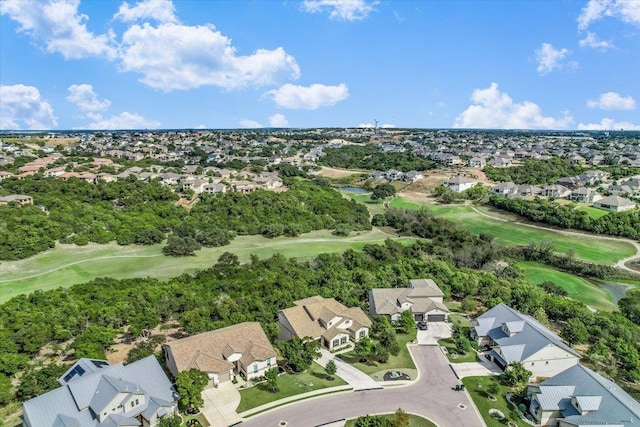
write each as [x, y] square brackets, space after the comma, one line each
[431, 396]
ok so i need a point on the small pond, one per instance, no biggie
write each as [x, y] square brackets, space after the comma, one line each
[354, 190]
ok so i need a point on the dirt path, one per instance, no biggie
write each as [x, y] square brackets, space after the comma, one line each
[620, 264]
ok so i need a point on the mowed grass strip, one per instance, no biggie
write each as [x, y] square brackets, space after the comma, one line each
[577, 288]
[312, 379]
[66, 265]
[477, 388]
[585, 247]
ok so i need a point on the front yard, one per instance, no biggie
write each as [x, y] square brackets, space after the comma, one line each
[454, 355]
[477, 387]
[313, 378]
[402, 361]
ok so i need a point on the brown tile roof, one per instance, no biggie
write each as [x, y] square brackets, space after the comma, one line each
[208, 351]
[305, 315]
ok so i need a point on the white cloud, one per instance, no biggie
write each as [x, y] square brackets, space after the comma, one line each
[86, 99]
[609, 124]
[123, 121]
[388, 126]
[59, 26]
[549, 58]
[159, 10]
[251, 124]
[278, 121]
[613, 101]
[22, 105]
[493, 109]
[592, 40]
[625, 10]
[172, 56]
[308, 97]
[365, 125]
[342, 10]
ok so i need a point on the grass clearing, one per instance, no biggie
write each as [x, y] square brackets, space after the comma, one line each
[594, 213]
[376, 370]
[577, 288]
[66, 265]
[414, 421]
[312, 379]
[585, 247]
[477, 386]
[449, 344]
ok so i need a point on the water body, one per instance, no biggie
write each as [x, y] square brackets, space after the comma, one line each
[615, 289]
[354, 190]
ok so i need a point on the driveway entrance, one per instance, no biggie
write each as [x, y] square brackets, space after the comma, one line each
[220, 404]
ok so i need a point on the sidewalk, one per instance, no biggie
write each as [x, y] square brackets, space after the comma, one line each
[353, 376]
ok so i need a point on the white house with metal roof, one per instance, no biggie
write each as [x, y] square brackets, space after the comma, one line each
[580, 397]
[516, 337]
[95, 393]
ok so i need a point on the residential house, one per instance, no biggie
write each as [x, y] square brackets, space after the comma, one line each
[241, 349]
[451, 160]
[325, 320]
[423, 297]
[500, 162]
[526, 190]
[577, 160]
[615, 204]
[570, 182]
[459, 183]
[394, 174]
[477, 162]
[585, 195]
[557, 191]
[413, 176]
[578, 397]
[5, 175]
[243, 187]
[515, 337]
[96, 393]
[16, 198]
[214, 188]
[505, 189]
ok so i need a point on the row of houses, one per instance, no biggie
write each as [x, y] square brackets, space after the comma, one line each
[396, 175]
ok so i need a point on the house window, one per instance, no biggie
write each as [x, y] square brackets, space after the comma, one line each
[336, 342]
[255, 368]
[343, 340]
[268, 362]
[133, 403]
[362, 334]
[137, 401]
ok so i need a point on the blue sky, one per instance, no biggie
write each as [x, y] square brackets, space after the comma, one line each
[71, 64]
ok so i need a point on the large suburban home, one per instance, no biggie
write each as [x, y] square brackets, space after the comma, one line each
[459, 183]
[526, 190]
[580, 397]
[516, 337]
[223, 353]
[614, 204]
[95, 393]
[19, 199]
[325, 320]
[505, 189]
[556, 190]
[423, 297]
[585, 195]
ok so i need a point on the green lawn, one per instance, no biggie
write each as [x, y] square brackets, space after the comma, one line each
[376, 370]
[66, 265]
[476, 387]
[414, 421]
[594, 213]
[585, 247]
[469, 356]
[312, 379]
[375, 207]
[576, 287]
[459, 319]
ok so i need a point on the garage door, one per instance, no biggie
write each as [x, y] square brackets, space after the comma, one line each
[435, 318]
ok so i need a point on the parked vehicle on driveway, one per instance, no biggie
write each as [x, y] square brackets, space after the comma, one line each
[423, 326]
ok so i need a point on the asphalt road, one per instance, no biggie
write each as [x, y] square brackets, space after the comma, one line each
[431, 396]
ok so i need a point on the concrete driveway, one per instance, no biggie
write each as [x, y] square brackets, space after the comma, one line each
[431, 396]
[220, 404]
[354, 377]
[474, 369]
[435, 332]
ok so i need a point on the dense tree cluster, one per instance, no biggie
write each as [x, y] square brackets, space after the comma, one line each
[370, 157]
[620, 224]
[138, 212]
[535, 172]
